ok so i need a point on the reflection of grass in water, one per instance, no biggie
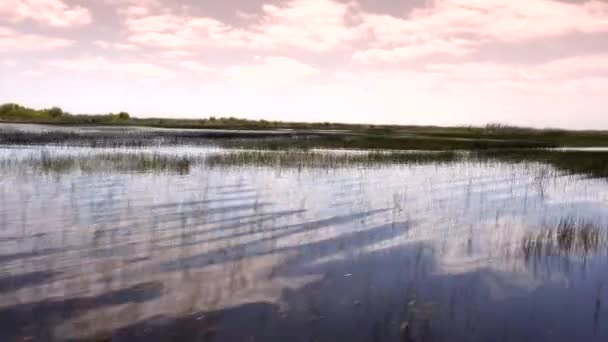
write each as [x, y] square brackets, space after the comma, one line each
[326, 160]
[569, 237]
[106, 162]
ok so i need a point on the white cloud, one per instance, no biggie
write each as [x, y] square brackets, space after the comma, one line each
[510, 74]
[33, 73]
[196, 67]
[276, 70]
[9, 63]
[137, 69]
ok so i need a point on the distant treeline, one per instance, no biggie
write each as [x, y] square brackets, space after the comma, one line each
[345, 135]
[12, 112]
[17, 113]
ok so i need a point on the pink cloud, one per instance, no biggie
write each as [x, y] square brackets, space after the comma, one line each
[452, 47]
[446, 27]
[48, 12]
[457, 26]
[117, 46]
[316, 25]
[14, 41]
[179, 32]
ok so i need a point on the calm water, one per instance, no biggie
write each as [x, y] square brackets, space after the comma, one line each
[392, 253]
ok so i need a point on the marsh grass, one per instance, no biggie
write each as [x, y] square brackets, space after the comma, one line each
[587, 163]
[47, 163]
[329, 160]
[116, 138]
[373, 141]
[296, 149]
[568, 237]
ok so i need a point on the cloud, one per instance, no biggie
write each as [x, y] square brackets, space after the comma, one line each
[452, 47]
[48, 12]
[196, 67]
[445, 27]
[315, 25]
[12, 41]
[135, 8]
[575, 66]
[33, 73]
[456, 27]
[562, 69]
[275, 70]
[180, 32]
[117, 46]
[139, 70]
[9, 63]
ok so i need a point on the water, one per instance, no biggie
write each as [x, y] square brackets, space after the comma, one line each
[225, 253]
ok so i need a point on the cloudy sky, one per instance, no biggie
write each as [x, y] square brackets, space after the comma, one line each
[526, 62]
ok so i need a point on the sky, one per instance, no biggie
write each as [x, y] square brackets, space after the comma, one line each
[541, 63]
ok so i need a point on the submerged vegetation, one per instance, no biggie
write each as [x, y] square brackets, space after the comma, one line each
[568, 237]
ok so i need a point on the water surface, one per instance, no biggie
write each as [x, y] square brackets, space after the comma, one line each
[429, 252]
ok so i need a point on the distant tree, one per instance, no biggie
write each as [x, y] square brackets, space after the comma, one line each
[6, 108]
[10, 108]
[55, 112]
[124, 116]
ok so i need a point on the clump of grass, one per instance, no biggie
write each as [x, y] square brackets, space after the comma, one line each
[296, 159]
[568, 237]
